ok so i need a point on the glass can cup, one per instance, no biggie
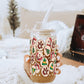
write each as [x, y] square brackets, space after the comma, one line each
[44, 56]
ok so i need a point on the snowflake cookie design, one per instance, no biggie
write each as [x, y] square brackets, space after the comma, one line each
[44, 62]
[45, 71]
[39, 56]
[40, 45]
[49, 41]
[47, 50]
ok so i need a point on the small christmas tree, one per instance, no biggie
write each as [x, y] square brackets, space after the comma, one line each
[33, 50]
[13, 16]
[51, 66]
[44, 62]
[48, 51]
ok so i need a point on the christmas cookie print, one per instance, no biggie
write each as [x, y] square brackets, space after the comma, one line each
[39, 56]
[51, 67]
[45, 71]
[44, 62]
[33, 49]
[33, 70]
[56, 71]
[47, 50]
[33, 41]
[37, 67]
[32, 58]
[40, 45]
[49, 41]
[52, 56]
[54, 44]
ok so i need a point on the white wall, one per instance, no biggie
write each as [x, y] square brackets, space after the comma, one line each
[42, 5]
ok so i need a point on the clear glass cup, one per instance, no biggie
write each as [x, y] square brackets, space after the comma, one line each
[44, 58]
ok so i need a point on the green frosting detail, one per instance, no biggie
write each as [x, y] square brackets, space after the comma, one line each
[33, 50]
[33, 70]
[44, 62]
[48, 51]
[51, 66]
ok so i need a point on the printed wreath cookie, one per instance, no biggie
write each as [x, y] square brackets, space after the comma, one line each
[45, 71]
[47, 50]
[49, 41]
[33, 41]
[39, 56]
[44, 62]
[40, 45]
[51, 67]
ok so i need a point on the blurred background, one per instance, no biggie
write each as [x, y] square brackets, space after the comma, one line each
[19, 18]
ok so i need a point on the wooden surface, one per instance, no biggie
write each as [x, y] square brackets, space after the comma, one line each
[71, 62]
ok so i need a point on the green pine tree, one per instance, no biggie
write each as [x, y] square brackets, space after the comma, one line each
[44, 62]
[13, 16]
[33, 50]
[51, 66]
[48, 51]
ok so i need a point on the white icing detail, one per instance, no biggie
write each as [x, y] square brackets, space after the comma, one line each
[45, 71]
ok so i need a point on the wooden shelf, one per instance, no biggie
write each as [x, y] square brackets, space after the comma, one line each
[71, 62]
